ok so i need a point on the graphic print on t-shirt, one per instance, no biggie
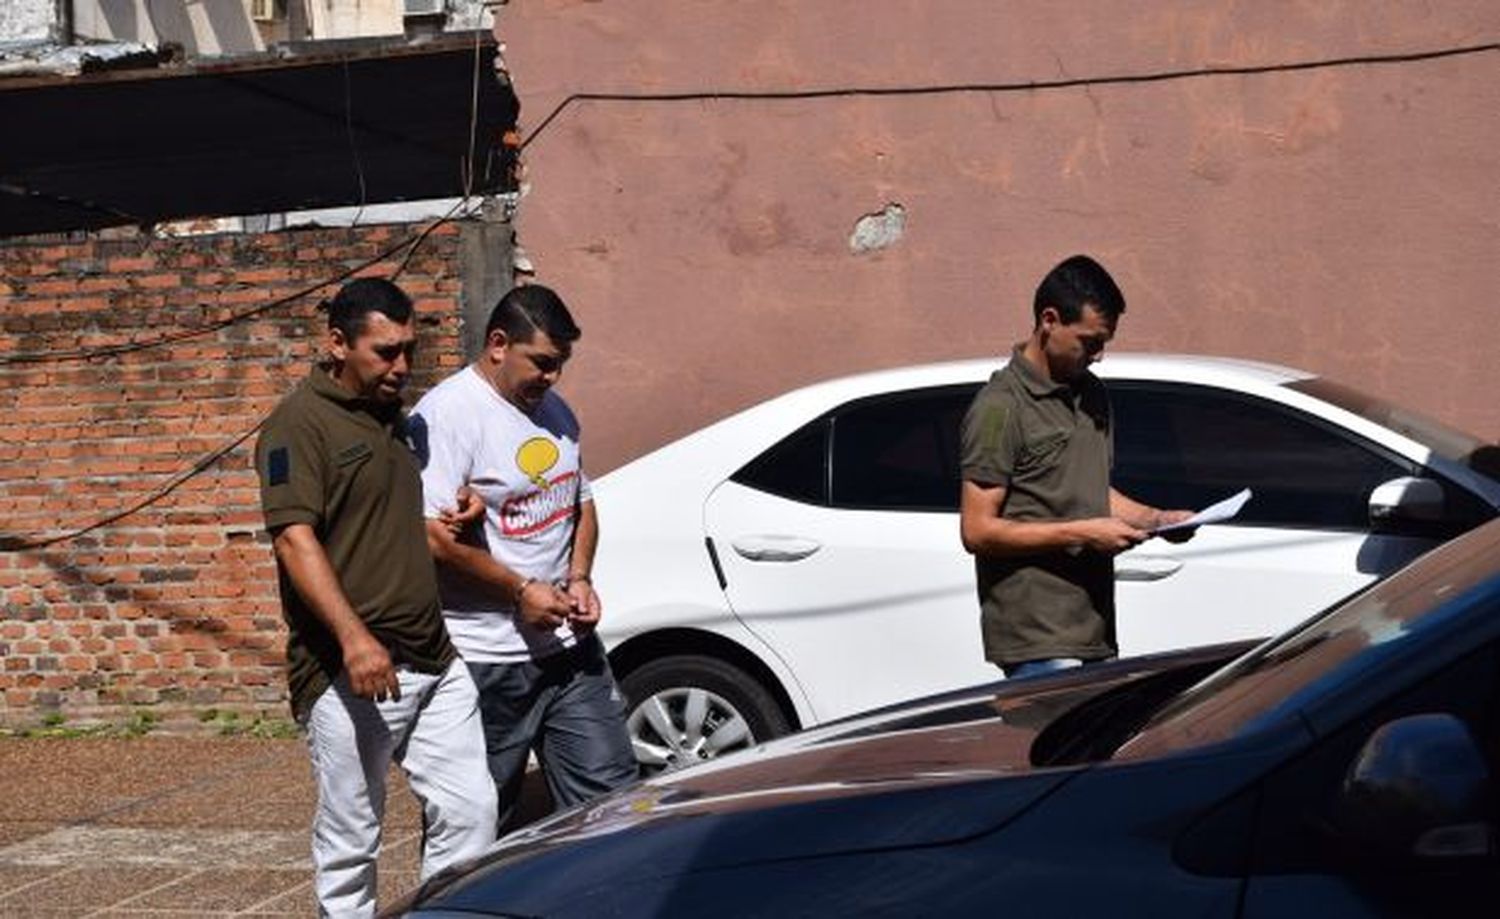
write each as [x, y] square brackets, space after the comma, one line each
[553, 501]
[535, 457]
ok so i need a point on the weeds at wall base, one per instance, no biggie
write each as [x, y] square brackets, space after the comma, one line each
[140, 723]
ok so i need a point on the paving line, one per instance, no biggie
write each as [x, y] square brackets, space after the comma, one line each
[150, 890]
[259, 908]
[228, 774]
[170, 911]
[40, 881]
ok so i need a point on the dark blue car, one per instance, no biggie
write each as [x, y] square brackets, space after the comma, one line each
[1343, 769]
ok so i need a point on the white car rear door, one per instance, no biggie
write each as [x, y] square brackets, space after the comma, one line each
[853, 572]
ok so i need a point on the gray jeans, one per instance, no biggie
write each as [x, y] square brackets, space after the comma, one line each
[568, 709]
[433, 732]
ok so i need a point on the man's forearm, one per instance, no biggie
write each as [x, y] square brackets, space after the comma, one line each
[985, 530]
[367, 662]
[1000, 537]
[471, 561]
[313, 577]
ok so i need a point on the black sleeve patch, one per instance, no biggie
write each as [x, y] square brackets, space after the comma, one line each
[279, 466]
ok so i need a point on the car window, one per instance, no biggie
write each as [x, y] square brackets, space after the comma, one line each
[1188, 446]
[1443, 439]
[796, 467]
[899, 451]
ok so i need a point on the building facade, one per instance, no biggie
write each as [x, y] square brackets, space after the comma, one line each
[737, 199]
[798, 190]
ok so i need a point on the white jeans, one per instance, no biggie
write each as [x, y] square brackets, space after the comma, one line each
[434, 733]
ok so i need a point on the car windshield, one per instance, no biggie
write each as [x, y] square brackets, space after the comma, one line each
[1275, 680]
[1445, 440]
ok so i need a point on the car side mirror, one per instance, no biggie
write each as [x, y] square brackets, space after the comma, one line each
[1419, 787]
[1407, 503]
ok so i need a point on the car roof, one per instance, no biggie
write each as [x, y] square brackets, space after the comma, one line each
[1226, 372]
[1200, 368]
[710, 452]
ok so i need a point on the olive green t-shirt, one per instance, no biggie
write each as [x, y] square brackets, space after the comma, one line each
[340, 464]
[1049, 445]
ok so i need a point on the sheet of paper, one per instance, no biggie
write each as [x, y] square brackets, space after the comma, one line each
[1214, 513]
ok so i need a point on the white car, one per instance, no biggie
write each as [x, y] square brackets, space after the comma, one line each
[800, 561]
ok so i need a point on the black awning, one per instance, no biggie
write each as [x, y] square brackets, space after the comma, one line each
[364, 122]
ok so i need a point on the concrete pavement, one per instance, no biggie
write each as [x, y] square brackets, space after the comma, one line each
[160, 826]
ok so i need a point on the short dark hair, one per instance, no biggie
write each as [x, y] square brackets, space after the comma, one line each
[525, 309]
[363, 296]
[1076, 282]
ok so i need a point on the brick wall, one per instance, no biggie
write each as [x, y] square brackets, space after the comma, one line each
[172, 606]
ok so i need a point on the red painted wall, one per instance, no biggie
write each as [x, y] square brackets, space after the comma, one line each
[1339, 218]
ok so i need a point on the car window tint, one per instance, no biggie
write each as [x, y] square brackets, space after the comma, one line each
[900, 451]
[1462, 509]
[796, 467]
[1188, 446]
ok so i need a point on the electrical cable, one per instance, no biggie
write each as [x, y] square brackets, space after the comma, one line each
[86, 354]
[1012, 87]
[359, 167]
[20, 543]
[466, 163]
[421, 237]
[11, 543]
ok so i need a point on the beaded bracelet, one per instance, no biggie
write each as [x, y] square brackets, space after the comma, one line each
[522, 589]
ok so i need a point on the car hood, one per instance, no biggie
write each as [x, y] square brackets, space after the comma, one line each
[919, 774]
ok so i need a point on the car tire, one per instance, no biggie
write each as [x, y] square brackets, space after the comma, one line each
[688, 709]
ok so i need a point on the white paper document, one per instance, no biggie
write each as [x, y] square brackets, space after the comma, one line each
[1214, 513]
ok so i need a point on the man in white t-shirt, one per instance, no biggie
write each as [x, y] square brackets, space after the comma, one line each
[517, 596]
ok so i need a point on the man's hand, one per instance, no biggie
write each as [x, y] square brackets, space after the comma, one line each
[1163, 518]
[586, 606]
[371, 674]
[467, 509]
[543, 606]
[1110, 535]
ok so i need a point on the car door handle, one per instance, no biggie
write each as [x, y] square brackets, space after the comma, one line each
[1146, 568]
[774, 548]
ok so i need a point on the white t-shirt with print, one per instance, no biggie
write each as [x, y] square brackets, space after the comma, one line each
[526, 470]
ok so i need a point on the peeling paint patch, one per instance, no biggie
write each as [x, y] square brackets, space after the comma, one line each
[877, 231]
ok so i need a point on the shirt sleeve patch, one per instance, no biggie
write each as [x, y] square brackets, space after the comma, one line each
[278, 466]
[986, 449]
[991, 423]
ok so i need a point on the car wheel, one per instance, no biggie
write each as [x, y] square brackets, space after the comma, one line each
[689, 709]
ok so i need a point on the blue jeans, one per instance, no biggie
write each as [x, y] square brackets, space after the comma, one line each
[1039, 667]
[568, 709]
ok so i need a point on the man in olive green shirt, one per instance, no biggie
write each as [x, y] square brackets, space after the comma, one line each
[373, 675]
[1037, 510]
